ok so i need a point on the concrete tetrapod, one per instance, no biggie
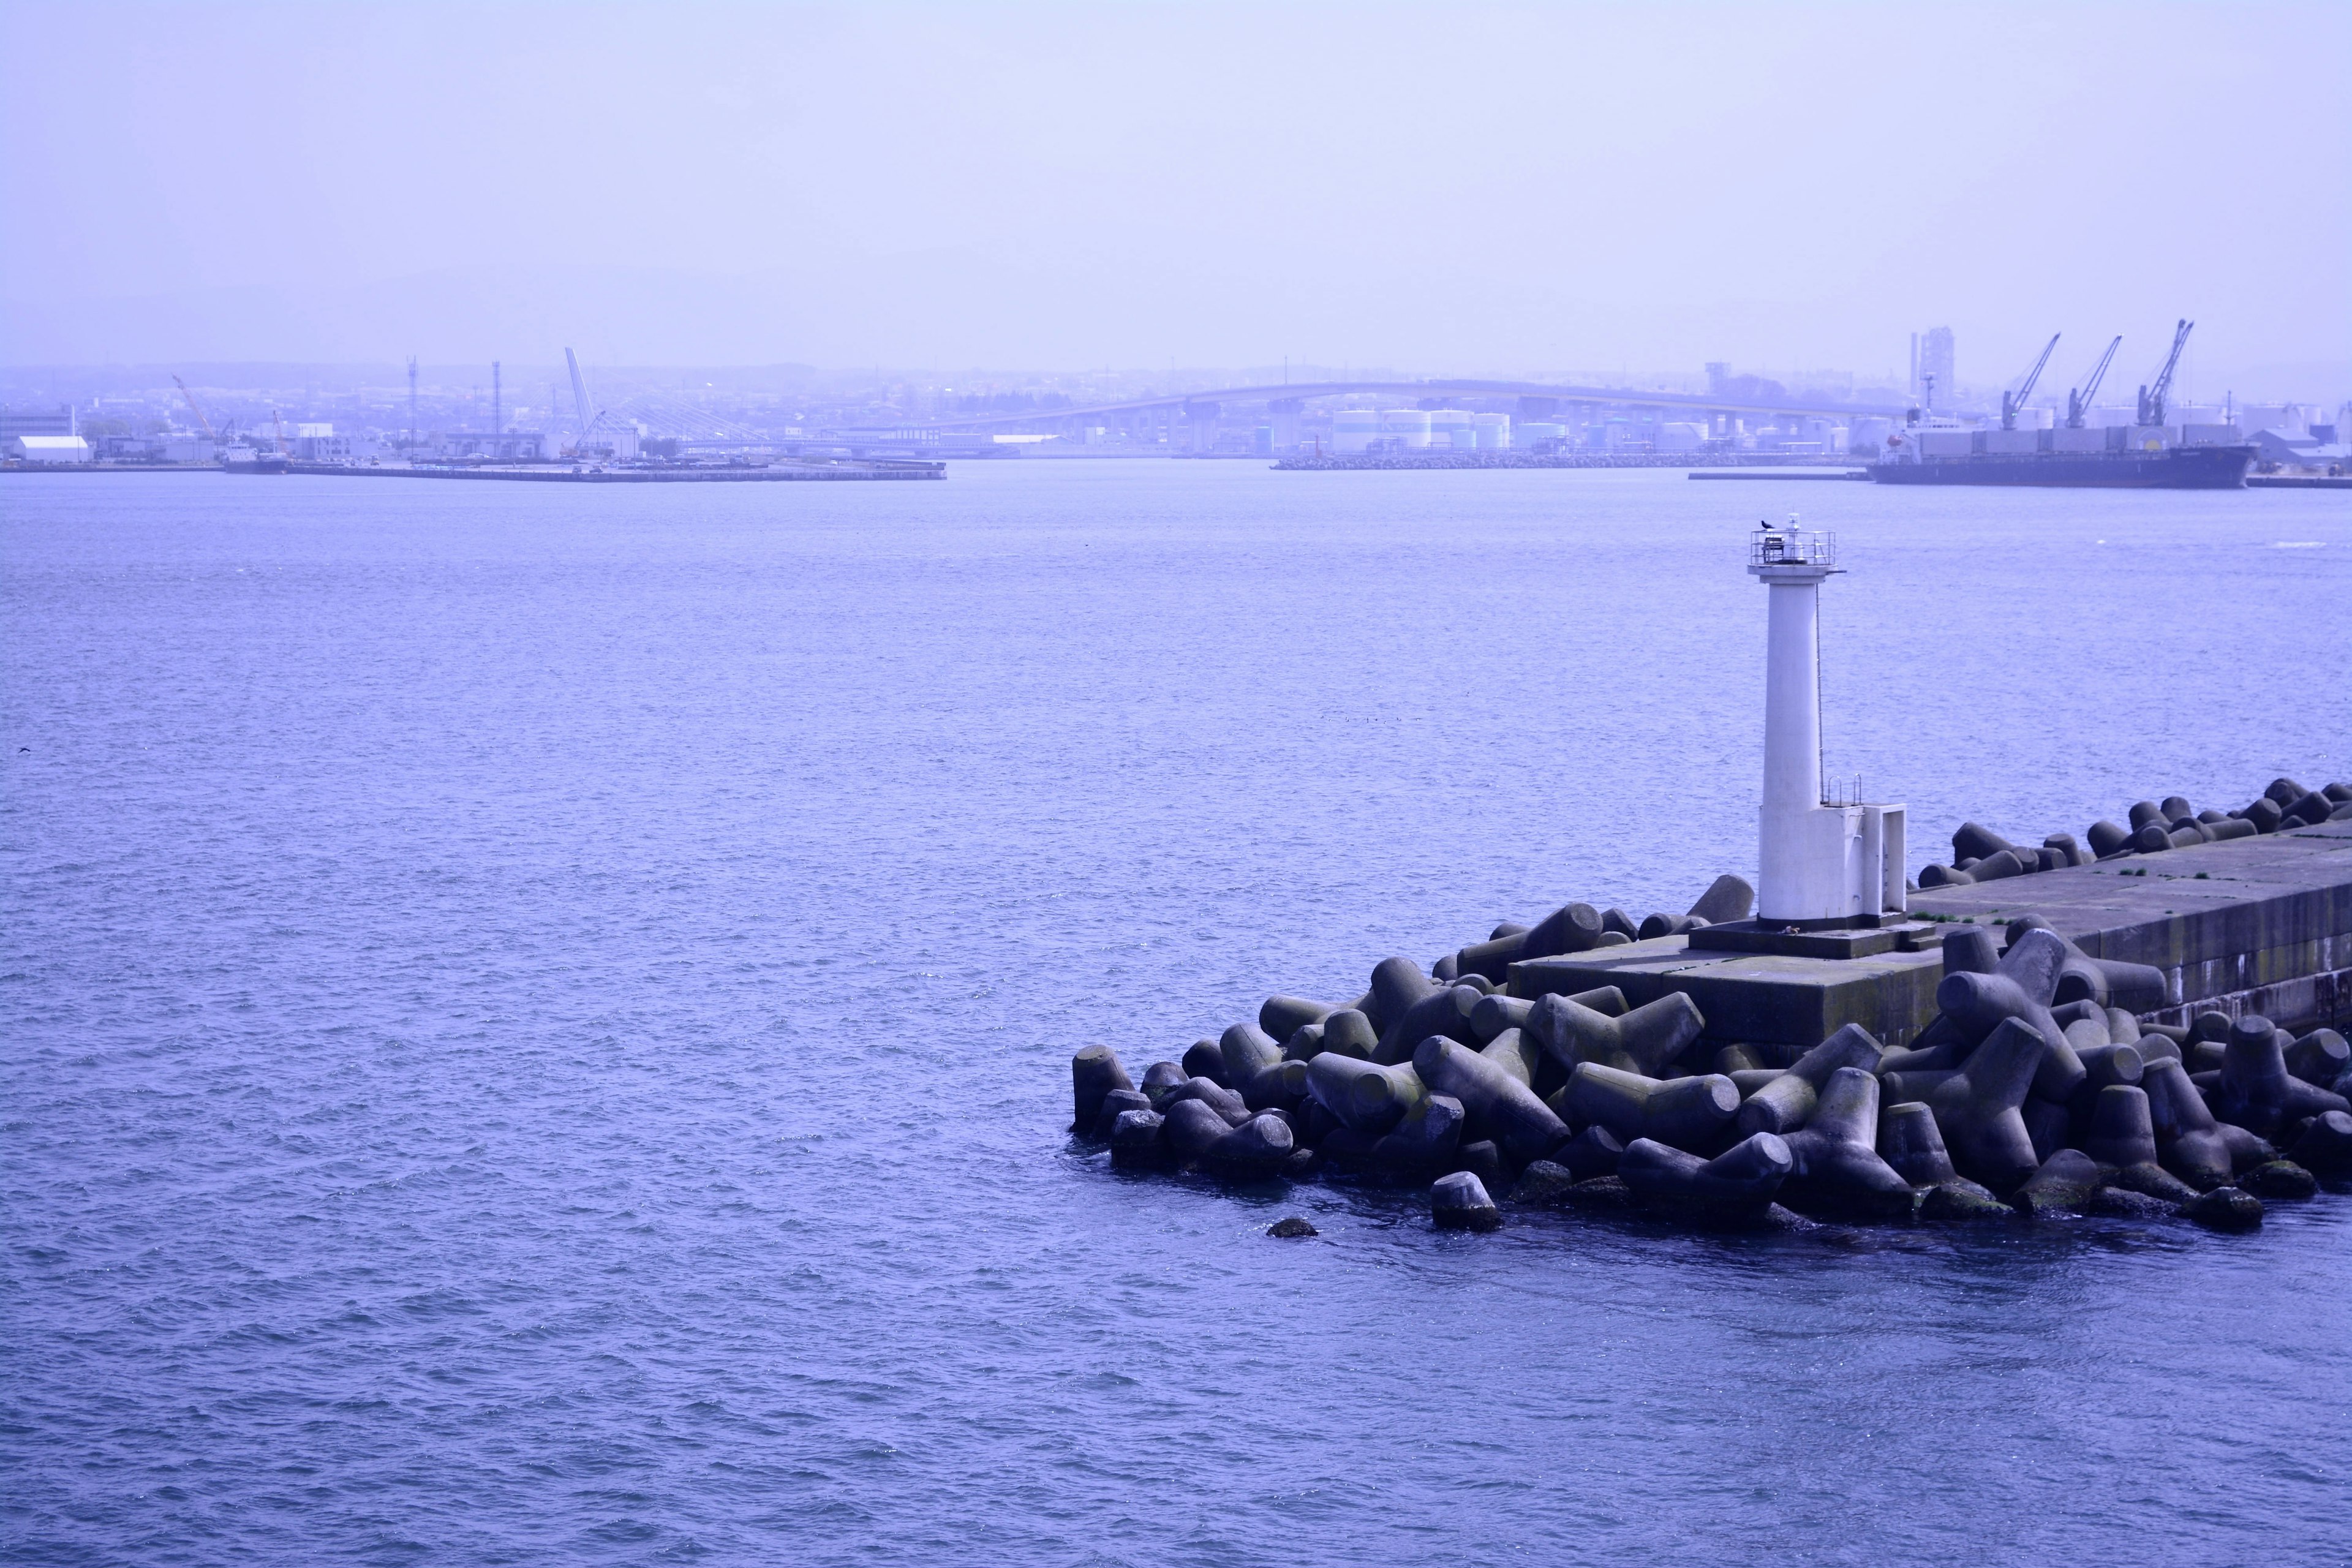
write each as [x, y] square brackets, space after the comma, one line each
[1913, 1147]
[1244, 1049]
[1283, 1016]
[1727, 898]
[1688, 1112]
[2188, 1141]
[1459, 1202]
[1442, 1012]
[1736, 1185]
[1366, 1097]
[1494, 1013]
[1518, 1055]
[1494, 1104]
[1115, 1104]
[1094, 1073]
[1397, 984]
[1349, 1033]
[2135, 987]
[1572, 928]
[2256, 1092]
[1970, 950]
[1424, 1142]
[1203, 1059]
[1228, 1105]
[1139, 1141]
[1254, 1150]
[2319, 1058]
[1161, 1079]
[1645, 1040]
[2122, 1131]
[2029, 975]
[1492, 959]
[1785, 1103]
[1978, 1109]
[2326, 1146]
[1834, 1163]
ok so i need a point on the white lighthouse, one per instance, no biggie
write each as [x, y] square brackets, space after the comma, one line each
[1817, 865]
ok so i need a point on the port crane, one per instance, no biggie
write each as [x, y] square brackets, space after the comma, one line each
[210, 434]
[2152, 396]
[2078, 403]
[2010, 402]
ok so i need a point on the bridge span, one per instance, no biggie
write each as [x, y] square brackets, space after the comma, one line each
[1207, 401]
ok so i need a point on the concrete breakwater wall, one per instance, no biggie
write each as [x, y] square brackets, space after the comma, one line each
[2088, 1049]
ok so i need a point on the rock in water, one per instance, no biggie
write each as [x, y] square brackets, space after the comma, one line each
[2066, 1181]
[2279, 1178]
[1459, 1202]
[1961, 1199]
[2224, 1209]
[1543, 1185]
[1285, 1229]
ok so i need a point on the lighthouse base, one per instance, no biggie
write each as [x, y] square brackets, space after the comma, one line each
[1830, 866]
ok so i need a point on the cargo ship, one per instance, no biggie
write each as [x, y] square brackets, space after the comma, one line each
[2168, 467]
[2149, 455]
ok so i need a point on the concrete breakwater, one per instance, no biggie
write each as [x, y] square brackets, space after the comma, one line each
[1574, 1064]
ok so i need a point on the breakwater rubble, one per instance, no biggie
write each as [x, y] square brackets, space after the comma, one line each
[2037, 1089]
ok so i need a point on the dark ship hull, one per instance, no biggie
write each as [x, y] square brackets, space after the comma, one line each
[2176, 468]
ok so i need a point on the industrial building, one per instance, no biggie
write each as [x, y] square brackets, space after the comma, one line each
[47, 449]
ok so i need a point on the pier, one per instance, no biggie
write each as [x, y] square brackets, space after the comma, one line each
[782, 472]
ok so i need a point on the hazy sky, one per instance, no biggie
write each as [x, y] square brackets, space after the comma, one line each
[1446, 187]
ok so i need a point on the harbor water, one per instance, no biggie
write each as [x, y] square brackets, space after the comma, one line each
[536, 1020]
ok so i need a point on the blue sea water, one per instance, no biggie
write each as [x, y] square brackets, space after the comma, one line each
[535, 1020]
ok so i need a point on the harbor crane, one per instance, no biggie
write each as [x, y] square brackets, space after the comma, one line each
[2152, 396]
[2078, 402]
[2010, 402]
[210, 434]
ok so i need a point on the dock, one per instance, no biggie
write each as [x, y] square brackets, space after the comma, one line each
[2259, 925]
[801, 470]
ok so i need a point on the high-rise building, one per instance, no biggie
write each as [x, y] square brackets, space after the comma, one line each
[1931, 366]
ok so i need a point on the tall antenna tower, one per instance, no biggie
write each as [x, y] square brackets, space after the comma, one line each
[497, 419]
[412, 403]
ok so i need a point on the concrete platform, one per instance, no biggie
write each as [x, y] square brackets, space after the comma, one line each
[2253, 925]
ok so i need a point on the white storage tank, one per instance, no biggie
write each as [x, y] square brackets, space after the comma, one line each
[1536, 432]
[1680, 437]
[1450, 427]
[1408, 427]
[1493, 431]
[1355, 429]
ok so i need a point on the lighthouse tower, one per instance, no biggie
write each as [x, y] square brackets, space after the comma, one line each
[1819, 866]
